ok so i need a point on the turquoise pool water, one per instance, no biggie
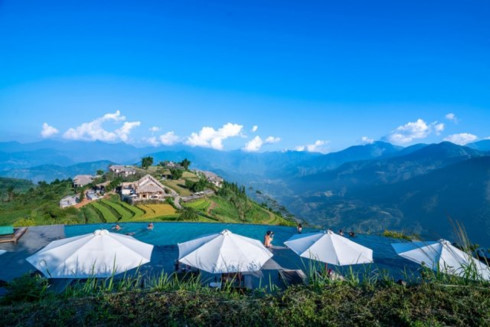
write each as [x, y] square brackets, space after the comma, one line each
[165, 237]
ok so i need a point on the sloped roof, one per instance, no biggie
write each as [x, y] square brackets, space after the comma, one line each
[149, 184]
[83, 179]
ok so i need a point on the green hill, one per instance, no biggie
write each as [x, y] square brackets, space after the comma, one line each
[27, 204]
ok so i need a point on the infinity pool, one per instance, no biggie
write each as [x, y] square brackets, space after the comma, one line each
[165, 237]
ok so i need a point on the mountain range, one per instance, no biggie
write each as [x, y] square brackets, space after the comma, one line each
[365, 187]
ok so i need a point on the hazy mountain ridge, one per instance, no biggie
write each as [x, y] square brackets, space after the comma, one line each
[422, 204]
[359, 174]
[52, 172]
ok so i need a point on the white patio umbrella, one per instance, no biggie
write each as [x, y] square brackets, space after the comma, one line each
[441, 255]
[98, 254]
[224, 252]
[330, 248]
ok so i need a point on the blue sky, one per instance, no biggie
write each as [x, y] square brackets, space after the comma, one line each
[315, 76]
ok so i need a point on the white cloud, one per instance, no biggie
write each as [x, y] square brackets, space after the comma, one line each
[255, 128]
[272, 139]
[154, 129]
[409, 132]
[48, 131]
[256, 143]
[318, 146]
[152, 140]
[93, 130]
[452, 117]
[125, 130]
[169, 138]
[210, 138]
[413, 131]
[461, 138]
[438, 127]
[366, 140]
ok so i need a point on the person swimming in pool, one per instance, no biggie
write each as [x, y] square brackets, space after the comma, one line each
[150, 226]
[117, 227]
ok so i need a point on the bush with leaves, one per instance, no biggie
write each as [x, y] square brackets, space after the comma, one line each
[188, 214]
[26, 289]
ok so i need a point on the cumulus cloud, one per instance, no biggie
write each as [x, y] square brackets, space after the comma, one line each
[409, 132]
[366, 140]
[48, 131]
[154, 129]
[255, 128]
[152, 140]
[416, 130]
[169, 138]
[210, 138]
[461, 138]
[256, 143]
[272, 139]
[452, 117]
[94, 130]
[125, 130]
[438, 127]
[318, 146]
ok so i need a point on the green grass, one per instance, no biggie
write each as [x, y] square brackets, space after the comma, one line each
[137, 212]
[38, 205]
[91, 215]
[190, 176]
[109, 302]
[124, 213]
[399, 235]
[105, 212]
[199, 205]
[30, 205]
[176, 185]
[224, 210]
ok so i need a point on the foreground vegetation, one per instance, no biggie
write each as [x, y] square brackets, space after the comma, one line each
[435, 301]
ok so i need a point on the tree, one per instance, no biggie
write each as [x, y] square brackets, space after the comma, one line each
[176, 173]
[113, 184]
[185, 164]
[10, 193]
[146, 162]
[100, 172]
[198, 186]
[82, 194]
[188, 214]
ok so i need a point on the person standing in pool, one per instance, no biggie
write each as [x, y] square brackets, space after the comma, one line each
[150, 226]
[300, 228]
[268, 239]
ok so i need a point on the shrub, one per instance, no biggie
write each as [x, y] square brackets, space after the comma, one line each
[26, 289]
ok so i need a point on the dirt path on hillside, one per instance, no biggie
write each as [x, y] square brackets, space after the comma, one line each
[211, 207]
[82, 204]
[87, 201]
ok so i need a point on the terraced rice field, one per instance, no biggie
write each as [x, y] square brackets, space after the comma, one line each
[137, 212]
[177, 186]
[105, 214]
[91, 215]
[190, 176]
[122, 212]
[157, 210]
[200, 205]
